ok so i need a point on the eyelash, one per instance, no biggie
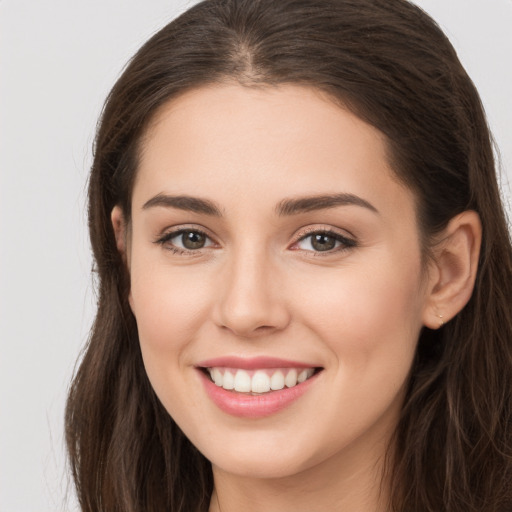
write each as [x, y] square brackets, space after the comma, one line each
[345, 242]
[167, 237]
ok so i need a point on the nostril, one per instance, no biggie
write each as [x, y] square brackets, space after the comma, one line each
[249, 332]
[264, 328]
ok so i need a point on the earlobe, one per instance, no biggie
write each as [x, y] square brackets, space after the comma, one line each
[452, 278]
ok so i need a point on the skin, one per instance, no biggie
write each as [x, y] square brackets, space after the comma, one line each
[259, 288]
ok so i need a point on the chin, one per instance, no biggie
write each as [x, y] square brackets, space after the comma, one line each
[260, 466]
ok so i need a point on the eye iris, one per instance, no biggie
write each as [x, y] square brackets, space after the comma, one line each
[321, 242]
[193, 240]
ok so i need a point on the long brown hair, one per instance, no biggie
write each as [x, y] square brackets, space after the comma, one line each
[391, 65]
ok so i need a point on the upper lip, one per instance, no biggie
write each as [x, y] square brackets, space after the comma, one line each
[252, 363]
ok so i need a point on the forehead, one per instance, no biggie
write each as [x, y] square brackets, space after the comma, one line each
[229, 141]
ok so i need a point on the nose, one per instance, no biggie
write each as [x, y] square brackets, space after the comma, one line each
[252, 301]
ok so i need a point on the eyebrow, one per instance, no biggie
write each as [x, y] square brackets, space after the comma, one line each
[286, 207]
[187, 203]
[321, 202]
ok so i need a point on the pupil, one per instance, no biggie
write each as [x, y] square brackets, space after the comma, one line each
[193, 240]
[323, 242]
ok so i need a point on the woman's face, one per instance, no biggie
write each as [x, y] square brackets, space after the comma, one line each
[270, 243]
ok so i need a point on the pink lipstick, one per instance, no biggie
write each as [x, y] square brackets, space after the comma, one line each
[255, 387]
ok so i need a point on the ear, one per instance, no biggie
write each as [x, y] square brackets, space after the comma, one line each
[120, 232]
[453, 272]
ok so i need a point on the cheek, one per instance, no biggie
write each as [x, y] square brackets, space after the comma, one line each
[369, 319]
[370, 325]
[170, 307]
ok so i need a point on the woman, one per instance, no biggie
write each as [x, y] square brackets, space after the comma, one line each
[304, 271]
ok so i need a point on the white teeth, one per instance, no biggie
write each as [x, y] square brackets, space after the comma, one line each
[277, 381]
[217, 377]
[229, 380]
[291, 379]
[242, 381]
[303, 375]
[261, 381]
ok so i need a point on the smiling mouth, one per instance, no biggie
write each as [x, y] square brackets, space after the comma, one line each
[261, 381]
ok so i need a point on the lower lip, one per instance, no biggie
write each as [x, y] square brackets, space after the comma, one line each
[254, 406]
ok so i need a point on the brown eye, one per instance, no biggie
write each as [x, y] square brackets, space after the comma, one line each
[193, 240]
[183, 240]
[323, 242]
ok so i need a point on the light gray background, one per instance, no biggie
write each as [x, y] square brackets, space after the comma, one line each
[58, 60]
